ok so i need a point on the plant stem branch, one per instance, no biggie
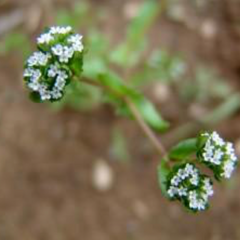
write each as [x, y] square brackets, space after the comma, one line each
[144, 127]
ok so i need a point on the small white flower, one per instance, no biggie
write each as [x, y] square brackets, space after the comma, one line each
[56, 93]
[172, 191]
[44, 93]
[54, 30]
[77, 47]
[60, 83]
[28, 72]
[194, 179]
[175, 181]
[38, 59]
[45, 38]
[57, 50]
[53, 70]
[182, 191]
[207, 187]
[228, 168]
[62, 75]
[64, 53]
[67, 54]
[182, 174]
[35, 75]
[34, 86]
[65, 30]
[208, 152]
[195, 202]
[189, 169]
[233, 157]
[76, 38]
[217, 158]
[76, 41]
[230, 151]
[60, 30]
[60, 80]
[217, 139]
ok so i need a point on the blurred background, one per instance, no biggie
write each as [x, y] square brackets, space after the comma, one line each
[76, 170]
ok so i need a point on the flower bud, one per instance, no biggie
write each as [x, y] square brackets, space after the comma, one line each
[51, 68]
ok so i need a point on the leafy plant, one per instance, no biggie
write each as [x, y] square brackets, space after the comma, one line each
[63, 64]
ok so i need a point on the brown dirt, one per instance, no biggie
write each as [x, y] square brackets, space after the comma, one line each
[47, 158]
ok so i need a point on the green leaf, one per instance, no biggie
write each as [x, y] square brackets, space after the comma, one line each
[98, 43]
[114, 83]
[183, 149]
[77, 65]
[35, 97]
[92, 67]
[149, 113]
[141, 23]
[162, 173]
[128, 53]
[146, 109]
[126, 58]
[117, 89]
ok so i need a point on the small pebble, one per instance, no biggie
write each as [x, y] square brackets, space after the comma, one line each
[131, 9]
[197, 111]
[161, 92]
[102, 176]
[208, 29]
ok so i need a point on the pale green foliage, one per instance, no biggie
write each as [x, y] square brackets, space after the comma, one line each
[15, 41]
[128, 52]
[76, 17]
[207, 86]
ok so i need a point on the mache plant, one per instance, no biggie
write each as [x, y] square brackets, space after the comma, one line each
[59, 61]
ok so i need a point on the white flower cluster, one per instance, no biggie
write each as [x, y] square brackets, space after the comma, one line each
[219, 155]
[47, 70]
[64, 51]
[189, 186]
[36, 85]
